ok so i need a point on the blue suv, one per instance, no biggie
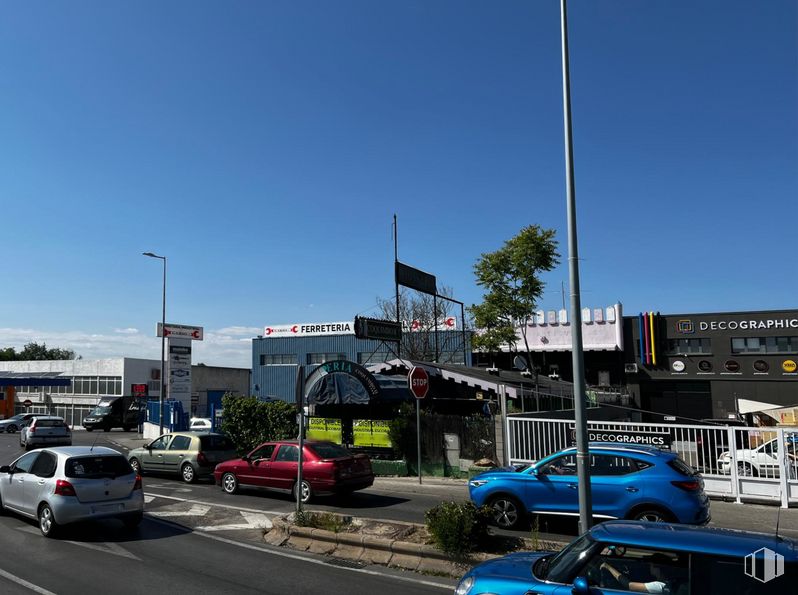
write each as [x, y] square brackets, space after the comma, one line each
[637, 556]
[627, 482]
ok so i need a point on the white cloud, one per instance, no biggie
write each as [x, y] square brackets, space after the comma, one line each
[227, 347]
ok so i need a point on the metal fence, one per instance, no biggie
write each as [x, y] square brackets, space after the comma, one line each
[741, 463]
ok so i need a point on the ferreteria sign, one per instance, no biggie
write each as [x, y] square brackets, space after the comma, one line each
[315, 329]
[732, 325]
[658, 439]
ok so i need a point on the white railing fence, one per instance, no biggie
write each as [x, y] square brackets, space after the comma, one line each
[740, 463]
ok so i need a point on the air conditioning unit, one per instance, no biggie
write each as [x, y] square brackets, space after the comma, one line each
[630, 368]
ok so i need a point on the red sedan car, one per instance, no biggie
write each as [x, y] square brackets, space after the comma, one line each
[327, 468]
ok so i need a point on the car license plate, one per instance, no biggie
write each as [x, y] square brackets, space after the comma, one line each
[106, 508]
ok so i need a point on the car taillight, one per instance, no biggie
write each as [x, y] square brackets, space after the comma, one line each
[137, 485]
[64, 488]
[31, 431]
[201, 458]
[688, 485]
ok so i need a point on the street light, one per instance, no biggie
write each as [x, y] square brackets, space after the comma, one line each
[163, 339]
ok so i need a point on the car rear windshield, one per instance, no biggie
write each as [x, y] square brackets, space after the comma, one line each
[682, 467]
[329, 451]
[97, 466]
[216, 443]
[49, 423]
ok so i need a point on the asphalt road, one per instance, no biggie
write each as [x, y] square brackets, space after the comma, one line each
[162, 556]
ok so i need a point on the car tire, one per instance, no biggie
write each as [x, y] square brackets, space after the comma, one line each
[652, 515]
[307, 492]
[188, 473]
[229, 483]
[88, 429]
[136, 464]
[47, 524]
[506, 512]
[127, 428]
[132, 522]
[11, 429]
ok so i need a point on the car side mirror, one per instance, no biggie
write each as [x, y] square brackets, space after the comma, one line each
[5, 469]
[535, 471]
[581, 586]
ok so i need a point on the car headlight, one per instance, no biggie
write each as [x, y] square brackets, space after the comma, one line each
[725, 456]
[465, 586]
[478, 482]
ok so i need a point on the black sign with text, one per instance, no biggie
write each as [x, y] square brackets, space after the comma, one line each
[658, 439]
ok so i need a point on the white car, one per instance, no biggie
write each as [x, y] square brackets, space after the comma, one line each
[45, 430]
[57, 486]
[761, 461]
[200, 424]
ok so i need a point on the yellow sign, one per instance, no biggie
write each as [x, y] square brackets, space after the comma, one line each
[788, 365]
[371, 433]
[320, 428]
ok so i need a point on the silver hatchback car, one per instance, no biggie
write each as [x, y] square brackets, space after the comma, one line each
[63, 485]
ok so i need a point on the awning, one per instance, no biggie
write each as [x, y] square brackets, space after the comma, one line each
[747, 406]
[33, 379]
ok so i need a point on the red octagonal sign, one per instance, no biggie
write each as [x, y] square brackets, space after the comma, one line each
[418, 381]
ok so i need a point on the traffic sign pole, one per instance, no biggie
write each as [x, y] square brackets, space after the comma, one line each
[418, 437]
[418, 383]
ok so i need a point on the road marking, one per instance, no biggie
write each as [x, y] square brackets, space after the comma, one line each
[21, 581]
[230, 506]
[253, 521]
[195, 510]
[310, 560]
[104, 547]
[148, 499]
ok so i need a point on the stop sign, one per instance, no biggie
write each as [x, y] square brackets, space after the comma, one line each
[418, 381]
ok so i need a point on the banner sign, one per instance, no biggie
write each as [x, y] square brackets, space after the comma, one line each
[415, 279]
[657, 439]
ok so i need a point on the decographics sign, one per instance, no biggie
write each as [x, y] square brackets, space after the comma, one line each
[657, 439]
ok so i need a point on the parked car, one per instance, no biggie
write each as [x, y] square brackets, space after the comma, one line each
[627, 482]
[192, 455]
[63, 485]
[761, 461]
[45, 430]
[623, 556]
[327, 468]
[15, 422]
[713, 440]
[200, 424]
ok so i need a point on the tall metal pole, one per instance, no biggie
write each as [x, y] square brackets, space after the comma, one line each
[580, 420]
[164, 384]
[396, 281]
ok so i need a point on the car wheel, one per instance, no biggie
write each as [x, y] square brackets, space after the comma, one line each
[188, 474]
[652, 515]
[47, 524]
[307, 492]
[506, 511]
[229, 483]
[11, 429]
[134, 462]
[89, 429]
[131, 522]
[746, 470]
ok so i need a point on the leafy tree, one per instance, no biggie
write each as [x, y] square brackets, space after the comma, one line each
[511, 279]
[417, 312]
[34, 351]
[249, 421]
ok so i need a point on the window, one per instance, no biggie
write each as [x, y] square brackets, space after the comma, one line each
[641, 570]
[564, 465]
[216, 443]
[94, 466]
[44, 465]
[679, 346]
[25, 462]
[367, 357]
[330, 451]
[278, 359]
[721, 574]
[160, 443]
[264, 452]
[611, 465]
[764, 344]
[288, 453]
[180, 443]
[320, 358]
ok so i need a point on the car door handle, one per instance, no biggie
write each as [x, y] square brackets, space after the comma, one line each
[632, 489]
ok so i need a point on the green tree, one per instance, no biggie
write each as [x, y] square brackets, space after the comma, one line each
[510, 277]
[34, 351]
[249, 422]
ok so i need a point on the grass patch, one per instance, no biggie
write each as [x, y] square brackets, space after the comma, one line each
[322, 520]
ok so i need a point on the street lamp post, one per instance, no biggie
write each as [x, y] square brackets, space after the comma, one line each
[163, 340]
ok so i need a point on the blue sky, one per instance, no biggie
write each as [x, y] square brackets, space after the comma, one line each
[264, 147]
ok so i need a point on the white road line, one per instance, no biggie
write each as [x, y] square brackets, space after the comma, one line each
[195, 510]
[231, 507]
[254, 521]
[307, 559]
[21, 581]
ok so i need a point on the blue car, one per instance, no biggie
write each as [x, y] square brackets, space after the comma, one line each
[627, 482]
[638, 556]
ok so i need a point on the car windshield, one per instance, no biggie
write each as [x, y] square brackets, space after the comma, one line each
[49, 423]
[100, 411]
[329, 451]
[216, 443]
[560, 568]
[97, 466]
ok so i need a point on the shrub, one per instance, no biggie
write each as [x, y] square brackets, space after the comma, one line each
[249, 422]
[458, 528]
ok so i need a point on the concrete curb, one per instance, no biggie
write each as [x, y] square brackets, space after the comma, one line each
[368, 549]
